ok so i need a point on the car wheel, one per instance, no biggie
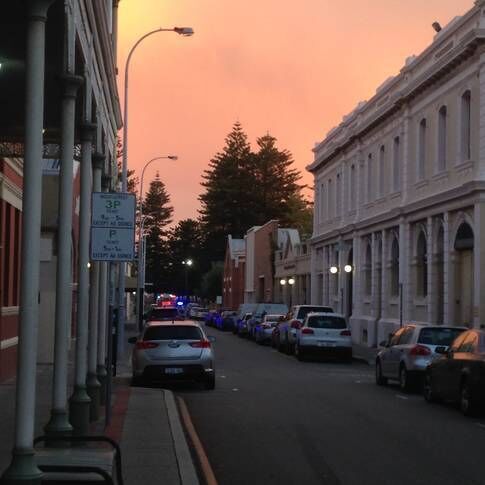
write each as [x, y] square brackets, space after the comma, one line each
[380, 379]
[299, 353]
[428, 393]
[210, 382]
[405, 380]
[468, 404]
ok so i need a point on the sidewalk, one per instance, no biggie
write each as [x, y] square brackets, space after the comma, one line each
[364, 353]
[145, 422]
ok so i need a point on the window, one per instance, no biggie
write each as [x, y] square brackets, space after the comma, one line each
[329, 200]
[368, 270]
[442, 137]
[172, 332]
[382, 163]
[352, 187]
[458, 341]
[407, 335]
[394, 267]
[326, 321]
[421, 150]
[465, 126]
[438, 336]
[422, 266]
[396, 164]
[469, 344]
[396, 336]
[369, 177]
[338, 198]
[322, 202]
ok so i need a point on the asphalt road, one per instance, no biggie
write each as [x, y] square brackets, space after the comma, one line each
[274, 420]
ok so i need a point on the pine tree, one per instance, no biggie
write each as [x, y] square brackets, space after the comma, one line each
[157, 213]
[227, 183]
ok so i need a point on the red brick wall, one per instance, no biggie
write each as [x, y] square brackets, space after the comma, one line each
[233, 283]
[263, 264]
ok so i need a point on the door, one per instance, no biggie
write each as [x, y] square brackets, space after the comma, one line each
[386, 357]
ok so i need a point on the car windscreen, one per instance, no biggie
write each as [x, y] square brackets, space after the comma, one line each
[273, 318]
[438, 336]
[305, 310]
[320, 321]
[163, 314]
[176, 332]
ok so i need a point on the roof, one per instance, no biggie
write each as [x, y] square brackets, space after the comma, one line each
[171, 323]
[288, 234]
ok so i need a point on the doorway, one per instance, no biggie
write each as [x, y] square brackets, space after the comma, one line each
[464, 275]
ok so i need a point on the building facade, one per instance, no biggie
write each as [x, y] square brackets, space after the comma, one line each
[399, 221]
[292, 281]
[233, 277]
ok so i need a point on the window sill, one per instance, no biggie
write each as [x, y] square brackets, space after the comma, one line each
[421, 184]
[368, 205]
[381, 199]
[395, 195]
[394, 301]
[421, 302]
[463, 166]
[443, 175]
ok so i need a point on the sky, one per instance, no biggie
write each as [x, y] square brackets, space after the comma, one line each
[290, 68]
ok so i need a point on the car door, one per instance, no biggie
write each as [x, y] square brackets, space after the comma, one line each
[460, 364]
[447, 369]
[397, 350]
[385, 357]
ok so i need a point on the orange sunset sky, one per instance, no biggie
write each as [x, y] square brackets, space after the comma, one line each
[292, 68]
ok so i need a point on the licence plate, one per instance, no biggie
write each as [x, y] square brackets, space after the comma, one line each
[326, 344]
[174, 370]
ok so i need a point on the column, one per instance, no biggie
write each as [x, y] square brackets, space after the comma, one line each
[356, 296]
[448, 276]
[325, 264]
[23, 468]
[313, 275]
[93, 385]
[80, 401]
[341, 276]
[479, 265]
[404, 266]
[103, 314]
[431, 290]
[59, 423]
[374, 309]
[385, 267]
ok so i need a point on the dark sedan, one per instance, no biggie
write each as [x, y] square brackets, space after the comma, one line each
[459, 374]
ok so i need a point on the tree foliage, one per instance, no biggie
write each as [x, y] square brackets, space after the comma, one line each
[157, 213]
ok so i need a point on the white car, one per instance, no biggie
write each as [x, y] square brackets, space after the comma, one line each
[324, 334]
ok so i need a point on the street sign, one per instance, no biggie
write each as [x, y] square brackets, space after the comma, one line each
[113, 227]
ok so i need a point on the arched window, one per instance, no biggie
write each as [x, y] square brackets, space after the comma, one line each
[352, 187]
[382, 163]
[421, 150]
[396, 164]
[368, 270]
[369, 177]
[394, 267]
[422, 266]
[466, 126]
[442, 138]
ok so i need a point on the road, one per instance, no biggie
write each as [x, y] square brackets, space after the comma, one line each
[274, 420]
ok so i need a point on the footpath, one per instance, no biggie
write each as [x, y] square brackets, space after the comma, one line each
[145, 422]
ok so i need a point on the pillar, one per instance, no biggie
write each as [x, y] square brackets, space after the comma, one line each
[449, 283]
[431, 290]
[479, 265]
[385, 267]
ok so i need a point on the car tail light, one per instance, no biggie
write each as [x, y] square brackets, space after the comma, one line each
[266, 325]
[420, 350]
[141, 344]
[345, 333]
[307, 331]
[201, 344]
[295, 324]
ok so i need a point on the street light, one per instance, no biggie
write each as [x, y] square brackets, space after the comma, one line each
[348, 268]
[333, 269]
[291, 282]
[185, 32]
[187, 263]
[141, 244]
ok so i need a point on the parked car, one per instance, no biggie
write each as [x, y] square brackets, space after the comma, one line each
[211, 318]
[200, 313]
[192, 311]
[324, 334]
[409, 350]
[261, 311]
[242, 325]
[264, 330]
[255, 320]
[173, 351]
[227, 321]
[163, 314]
[458, 375]
[286, 334]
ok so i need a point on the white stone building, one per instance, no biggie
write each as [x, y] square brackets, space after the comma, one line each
[400, 194]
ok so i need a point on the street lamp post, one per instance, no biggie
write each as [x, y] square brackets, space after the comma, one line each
[290, 282]
[141, 244]
[186, 32]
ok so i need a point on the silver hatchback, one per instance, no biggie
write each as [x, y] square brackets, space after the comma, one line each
[173, 351]
[409, 350]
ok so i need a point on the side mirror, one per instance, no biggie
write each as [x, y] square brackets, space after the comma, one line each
[295, 324]
[384, 343]
[132, 340]
[211, 338]
[441, 349]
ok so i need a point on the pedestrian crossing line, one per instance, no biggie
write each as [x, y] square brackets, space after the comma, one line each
[400, 396]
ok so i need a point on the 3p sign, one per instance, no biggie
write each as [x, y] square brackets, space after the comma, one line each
[113, 227]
